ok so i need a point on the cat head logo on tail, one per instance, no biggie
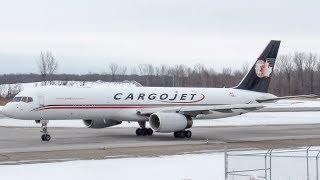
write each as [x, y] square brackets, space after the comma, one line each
[263, 69]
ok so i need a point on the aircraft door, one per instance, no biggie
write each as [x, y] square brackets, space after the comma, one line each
[41, 104]
[41, 100]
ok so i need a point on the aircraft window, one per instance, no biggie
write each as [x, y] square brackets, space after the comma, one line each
[24, 99]
[16, 99]
[30, 99]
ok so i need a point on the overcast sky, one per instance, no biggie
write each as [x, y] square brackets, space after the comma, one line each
[85, 36]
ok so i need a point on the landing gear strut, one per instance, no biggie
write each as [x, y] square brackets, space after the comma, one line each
[44, 130]
[143, 131]
[182, 134]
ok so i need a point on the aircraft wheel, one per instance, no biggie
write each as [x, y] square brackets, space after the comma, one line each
[138, 132]
[144, 132]
[149, 132]
[182, 134]
[187, 134]
[45, 137]
[175, 134]
[48, 137]
[179, 134]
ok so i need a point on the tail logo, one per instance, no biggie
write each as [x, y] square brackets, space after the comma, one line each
[263, 69]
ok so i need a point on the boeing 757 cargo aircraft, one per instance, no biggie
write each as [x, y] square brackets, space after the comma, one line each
[166, 109]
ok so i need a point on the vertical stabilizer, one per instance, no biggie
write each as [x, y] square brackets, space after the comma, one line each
[258, 78]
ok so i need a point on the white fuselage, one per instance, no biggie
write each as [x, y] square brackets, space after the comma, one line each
[118, 103]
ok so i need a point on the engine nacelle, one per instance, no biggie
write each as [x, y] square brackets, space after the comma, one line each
[169, 122]
[100, 123]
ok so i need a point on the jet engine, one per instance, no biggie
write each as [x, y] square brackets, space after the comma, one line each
[100, 123]
[169, 122]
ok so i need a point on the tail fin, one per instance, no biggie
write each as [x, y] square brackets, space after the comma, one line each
[258, 78]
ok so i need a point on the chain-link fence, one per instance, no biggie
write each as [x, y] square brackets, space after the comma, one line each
[284, 164]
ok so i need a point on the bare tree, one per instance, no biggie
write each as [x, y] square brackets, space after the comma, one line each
[245, 68]
[143, 69]
[48, 66]
[311, 62]
[1, 91]
[199, 71]
[123, 70]
[162, 72]
[298, 60]
[133, 70]
[114, 67]
[148, 71]
[286, 67]
[227, 74]
[179, 73]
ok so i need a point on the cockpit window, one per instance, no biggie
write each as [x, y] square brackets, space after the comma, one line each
[23, 99]
[30, 99]
[16, 99]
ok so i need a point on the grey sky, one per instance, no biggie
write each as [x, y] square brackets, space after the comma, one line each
[86, 35]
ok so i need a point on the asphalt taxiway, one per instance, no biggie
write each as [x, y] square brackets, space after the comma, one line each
[23, 145]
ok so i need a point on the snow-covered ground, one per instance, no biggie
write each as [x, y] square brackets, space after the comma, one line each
[179, 167]
[202, 166]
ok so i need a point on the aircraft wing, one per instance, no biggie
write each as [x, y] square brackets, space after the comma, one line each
[312, 96]
[289, 109]
[196, 110]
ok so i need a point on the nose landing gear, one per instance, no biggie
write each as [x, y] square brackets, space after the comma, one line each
[44, 130]
[45, 137]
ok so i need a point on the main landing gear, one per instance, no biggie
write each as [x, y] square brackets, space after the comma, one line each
[44, 130]
[182, 134]
[143, 131]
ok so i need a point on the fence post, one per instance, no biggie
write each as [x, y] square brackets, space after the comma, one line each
[308, 177]
[265, 165]
[317, 165]
[270, 153]
[225, 164]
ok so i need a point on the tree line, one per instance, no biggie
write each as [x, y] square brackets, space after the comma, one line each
[296, 73]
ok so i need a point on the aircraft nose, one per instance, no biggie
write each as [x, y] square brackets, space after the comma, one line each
[7, 110]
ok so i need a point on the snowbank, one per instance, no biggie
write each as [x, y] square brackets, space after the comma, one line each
[181, 167]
